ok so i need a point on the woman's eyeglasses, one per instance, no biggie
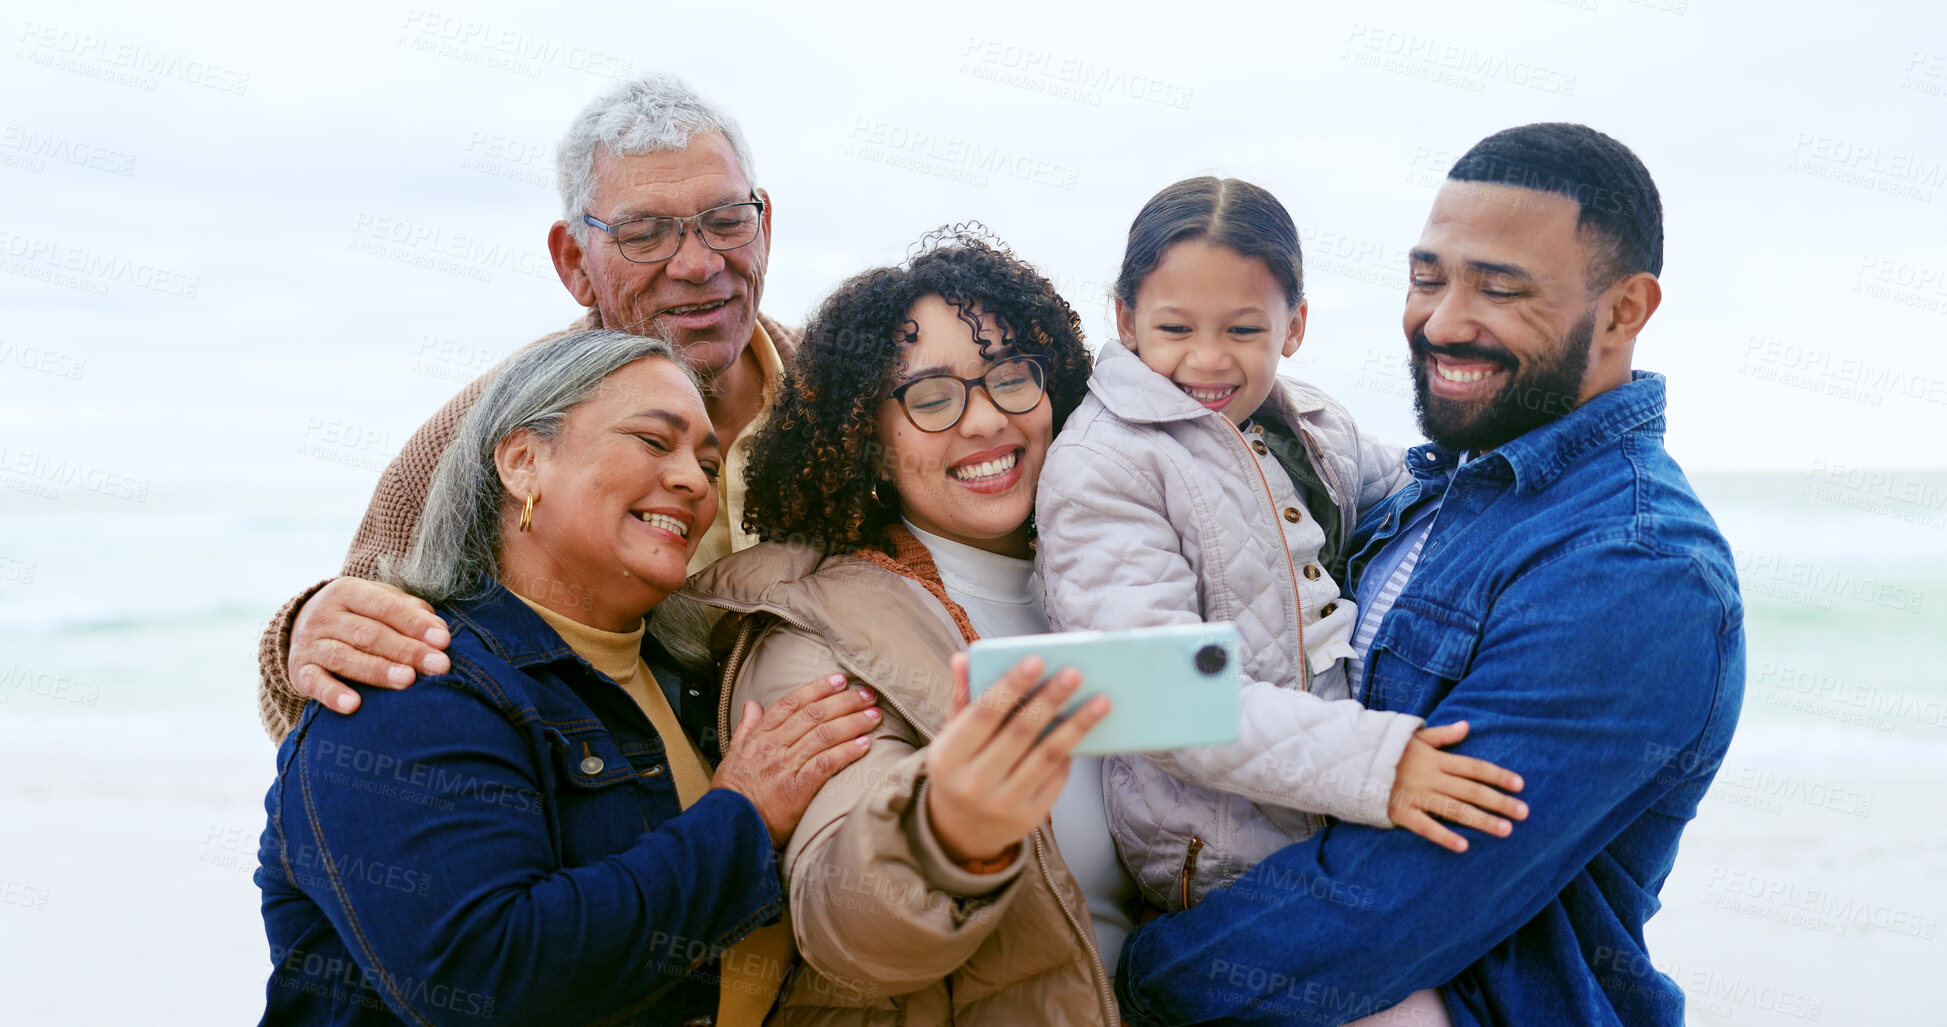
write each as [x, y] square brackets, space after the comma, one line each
[936, 402]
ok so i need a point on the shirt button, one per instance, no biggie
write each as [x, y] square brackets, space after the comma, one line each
[1258, 428]
[1291, 514]
[1260, 446]
[592, 765]
[1326, 610]
[1312, 572]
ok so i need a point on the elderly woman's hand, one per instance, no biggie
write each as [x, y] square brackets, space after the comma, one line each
[995, 770]
[779, 758]
[366, 632]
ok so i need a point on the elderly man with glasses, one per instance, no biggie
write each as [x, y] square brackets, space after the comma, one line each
[662, 229]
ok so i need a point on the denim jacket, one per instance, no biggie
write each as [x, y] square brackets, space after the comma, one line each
[1576, 605]
[503, 844]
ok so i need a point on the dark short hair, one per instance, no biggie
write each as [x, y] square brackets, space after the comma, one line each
[1236, 214]
[815, 462]
[1620, 205]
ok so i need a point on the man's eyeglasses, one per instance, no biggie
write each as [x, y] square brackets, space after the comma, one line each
[653, 239]
[937, 401]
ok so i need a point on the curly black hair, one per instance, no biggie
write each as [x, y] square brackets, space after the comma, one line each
[814, 463]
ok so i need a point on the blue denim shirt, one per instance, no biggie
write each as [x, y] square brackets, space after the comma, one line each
[1576, 605]
[502, 844]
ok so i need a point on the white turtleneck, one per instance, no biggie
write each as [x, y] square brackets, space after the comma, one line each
[1002, 598]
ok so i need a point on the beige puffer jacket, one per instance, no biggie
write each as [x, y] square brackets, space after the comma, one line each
[893, 933]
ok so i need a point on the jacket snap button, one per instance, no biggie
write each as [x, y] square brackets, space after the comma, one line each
[592, 765]
[655, 771]
[1326, 610]
[1291, 514]
[1260, 447]
[1312, 572]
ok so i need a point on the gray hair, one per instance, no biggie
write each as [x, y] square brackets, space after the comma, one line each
[651, 114]
[455, 554]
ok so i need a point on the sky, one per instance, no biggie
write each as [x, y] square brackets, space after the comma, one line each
[246, 243]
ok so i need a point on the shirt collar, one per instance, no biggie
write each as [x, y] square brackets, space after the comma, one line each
[518, 635]
[977, 572]
[1537, 458]
[1134, 392]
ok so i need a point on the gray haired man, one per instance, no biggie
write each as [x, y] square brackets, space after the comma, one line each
[662, 225]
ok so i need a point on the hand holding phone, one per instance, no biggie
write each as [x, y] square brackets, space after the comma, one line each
[995, 770]
[1172, 687]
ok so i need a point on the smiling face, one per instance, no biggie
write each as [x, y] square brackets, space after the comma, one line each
[622, 495]
[1215, 323]
[1499, 316]
[974, 482]
[705, 299]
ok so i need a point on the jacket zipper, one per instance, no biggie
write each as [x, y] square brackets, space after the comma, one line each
[1304, 665]
[1190, 868]
[1103, 993]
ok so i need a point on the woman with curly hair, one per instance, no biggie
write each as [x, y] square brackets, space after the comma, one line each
[894, 488]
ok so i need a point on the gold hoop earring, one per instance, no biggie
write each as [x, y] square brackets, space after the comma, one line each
[527, 513]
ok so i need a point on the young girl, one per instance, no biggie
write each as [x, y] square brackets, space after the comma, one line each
[1195, 484]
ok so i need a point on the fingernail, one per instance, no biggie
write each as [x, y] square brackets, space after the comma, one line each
[399, 674]
[872, 714]
[1517, 782]
[1462, 847]
[837, 681]
[437, 637]
[865, 740]
[866, 694]
[437, 663]
[346, 702]
[1521, 808]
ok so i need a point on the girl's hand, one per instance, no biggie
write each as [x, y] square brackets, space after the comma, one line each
[1432, 783]
[994, 773]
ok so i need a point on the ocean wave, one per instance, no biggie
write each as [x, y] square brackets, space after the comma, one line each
[93, 616]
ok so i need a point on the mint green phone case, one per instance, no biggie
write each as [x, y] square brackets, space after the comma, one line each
[1168, 688]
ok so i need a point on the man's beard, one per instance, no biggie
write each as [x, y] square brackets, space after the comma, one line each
[1533, 396]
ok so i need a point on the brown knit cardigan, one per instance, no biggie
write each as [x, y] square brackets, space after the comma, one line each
[391, 520]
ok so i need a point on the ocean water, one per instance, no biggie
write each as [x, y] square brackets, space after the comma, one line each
[127, 608]
[135, 770]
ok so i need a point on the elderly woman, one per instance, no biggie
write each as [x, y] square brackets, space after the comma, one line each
[926, 885]
[537, 836]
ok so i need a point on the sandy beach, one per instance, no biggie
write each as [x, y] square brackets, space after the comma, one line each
[1804, 893]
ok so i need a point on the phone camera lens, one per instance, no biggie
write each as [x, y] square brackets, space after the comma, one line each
[1211, 659]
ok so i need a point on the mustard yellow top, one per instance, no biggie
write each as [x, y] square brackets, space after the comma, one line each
[753, 970]
[619, 655]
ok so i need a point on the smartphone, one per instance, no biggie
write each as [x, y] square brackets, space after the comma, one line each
[1168, 688]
